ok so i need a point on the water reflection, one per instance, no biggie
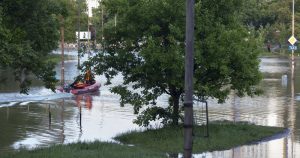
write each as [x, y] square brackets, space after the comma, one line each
[87, 99]
[277, 107]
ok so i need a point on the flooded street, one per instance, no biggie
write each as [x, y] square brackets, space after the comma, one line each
[43, 118]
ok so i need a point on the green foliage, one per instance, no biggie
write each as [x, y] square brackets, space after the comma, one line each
[223, 135]
[68, 10]
[97, 20]
[30, 32]
[153, 114]
[147, 48]
[71, 20]
[272, 16]
[226, 53]
[258, 13]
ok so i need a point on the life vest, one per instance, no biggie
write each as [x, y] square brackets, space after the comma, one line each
[79, 85]
[88, 75]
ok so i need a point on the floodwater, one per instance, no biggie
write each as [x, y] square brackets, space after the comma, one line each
[43, 118]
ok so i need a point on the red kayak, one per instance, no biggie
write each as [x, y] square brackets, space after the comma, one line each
[87, 89]
[83, 89]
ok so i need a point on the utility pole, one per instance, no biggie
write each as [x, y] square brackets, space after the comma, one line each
[89, 33]
[189, 67]
[62, 42]
[102, 23]
[78, 38]
[293, 34]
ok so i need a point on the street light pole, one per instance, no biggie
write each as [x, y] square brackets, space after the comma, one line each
[293, 33]
[89, 35]
[102, 29]
[78, 38]
[189, 67]
[62, 42]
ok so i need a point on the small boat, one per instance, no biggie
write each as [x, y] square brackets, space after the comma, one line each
[84, 89]
[87, 89]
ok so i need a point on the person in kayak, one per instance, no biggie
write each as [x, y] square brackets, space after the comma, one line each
[83, 81]
[89, 78]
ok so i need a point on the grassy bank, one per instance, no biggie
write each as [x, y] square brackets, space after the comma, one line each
[88, 150]
[224, 135]
[156, 143]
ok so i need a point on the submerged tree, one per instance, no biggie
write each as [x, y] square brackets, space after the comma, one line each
[147, 48]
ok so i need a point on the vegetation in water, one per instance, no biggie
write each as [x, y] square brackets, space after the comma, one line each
[222, 136]
[157, 143]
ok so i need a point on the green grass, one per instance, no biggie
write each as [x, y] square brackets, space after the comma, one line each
[155, 143]
[224, 135]
[57, 58]
[88, 150]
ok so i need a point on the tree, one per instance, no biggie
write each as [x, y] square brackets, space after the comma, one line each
[147, 48]
[99, 17]
[30, 32]
[72, 18]
[272, 18]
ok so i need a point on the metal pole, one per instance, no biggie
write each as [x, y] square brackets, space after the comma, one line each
[78, 38]
[62, 52]
[189, 67]
[49, 116]
[293, 33]
[207, 121]
[102, 22]
[89, 34]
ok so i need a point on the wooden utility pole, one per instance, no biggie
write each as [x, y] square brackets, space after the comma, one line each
[102, 27]
[88, 34]
[62, 42]
[78, 38]
[189, 67]
[293, 34]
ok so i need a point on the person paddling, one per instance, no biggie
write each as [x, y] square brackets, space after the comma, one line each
[89, 78]
[86, 80]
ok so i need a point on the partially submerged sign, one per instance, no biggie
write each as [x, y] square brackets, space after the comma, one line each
[84, 35]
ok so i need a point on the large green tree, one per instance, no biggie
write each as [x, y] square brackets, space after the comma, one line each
[29, 32]
[273, 19]
[71, 20]
[147, 48]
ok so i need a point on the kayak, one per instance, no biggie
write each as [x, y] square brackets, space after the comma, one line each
[85, 89]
